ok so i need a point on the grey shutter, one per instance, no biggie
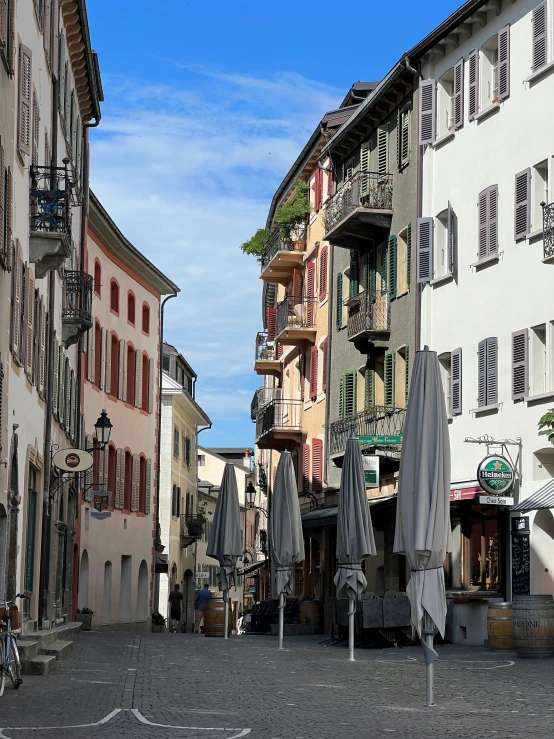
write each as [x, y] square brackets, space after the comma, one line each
[483, 224]
[135, 485]
[504, 63]
[55, 395]
[473, 101]
[522, 205]
[451, 238]
[520, 364]
[151, 384]
[108, 352]
[90, 353]
[427, 95]
[383, 149]
[364, 169]
[424, 249]
[122, 389]
[148, 486]
[119, 478]
[72, 406]
[540, 44]
[492, 212]
[101, 379]
[25, 84]
[61, 391]
[89, 479]
[492, 370]
[459, 94]
[456, 381]
[67, 424]
[138, 378]
[482, 373]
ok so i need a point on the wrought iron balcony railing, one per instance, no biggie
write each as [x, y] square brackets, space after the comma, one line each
[380, 426]
[52, 195]
[548, 230]
[364, 189]
[77, 297]
[265, 350]
[276, 244]
[279, 415]
[368, 312]
[294, 312]
[191, 526]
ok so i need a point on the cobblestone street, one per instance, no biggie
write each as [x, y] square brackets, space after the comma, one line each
[128, 685]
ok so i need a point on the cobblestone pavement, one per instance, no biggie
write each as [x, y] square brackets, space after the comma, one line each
[129, 686]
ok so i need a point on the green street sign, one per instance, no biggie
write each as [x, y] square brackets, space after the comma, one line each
[379, 439]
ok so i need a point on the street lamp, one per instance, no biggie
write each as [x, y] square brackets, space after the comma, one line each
[103, 428]
[250, 494]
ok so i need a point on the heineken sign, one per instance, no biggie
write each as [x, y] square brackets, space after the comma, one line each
[496, 475]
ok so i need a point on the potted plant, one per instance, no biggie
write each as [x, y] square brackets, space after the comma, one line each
[195, 525]
[292, 214]
[84, 615]
[158, 623]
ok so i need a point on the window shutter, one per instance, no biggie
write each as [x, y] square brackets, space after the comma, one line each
[383, 149]
[67, 396]
[120, 478]
[406, 374]
[424, 249]
[9, 217]
[504, 63]
[4, 24]
[329, 178]
[350, 399]
[302, 371]
[148, 487]
[108, 369]
[89, 478]
[540, 45]
[392, 248]
[310, 308]
[339, 300]
[55, 37]
[341, 397]
[36, 130]
[451, 238]
[122, 385]
[522, 206]
[56, 371]
[318, 189]
[73, 408]
[313, 373]
[271, 324]
[473, 102]
[427, 94]
[409, 255]
[29, 322]
[3, 243]
[296, 288]
[138, 378]
[11, 37]
[364, 168]
[354, 287]
[369, 384]
[492, 370]
[42, 351]
[456, 381]
[520, 364]
[61, 391]
[305, 468]
[482, 210]
[103, 469]
[323, 260]
[317, 465]
[25, 85]
[46, 28]
[459, 94]
[492, 212]
[324, 360]
[389, 368]
[135, 484]
[482, 373]
[91, 338]
[152, 381]
[406, 136]
[17, 279]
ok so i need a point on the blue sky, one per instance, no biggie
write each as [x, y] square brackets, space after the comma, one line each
[207, 106]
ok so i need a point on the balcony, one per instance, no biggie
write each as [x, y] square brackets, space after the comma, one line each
[76, 306]
[267, 362]
[191, 529]
[376, 427]
[281, 257]
[296, 321]
[368, 319]
[278, 424]
[51, 196]
[548, 230]
[364, 200]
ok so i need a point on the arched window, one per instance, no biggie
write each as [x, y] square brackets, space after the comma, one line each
[130, 374]
[97, 353]
[114, 296]
[128, 481]
[145, 381]
[97, 278]
[146, 318]
[142, 486]
[131, 307]
[114, 368]
[112, 457]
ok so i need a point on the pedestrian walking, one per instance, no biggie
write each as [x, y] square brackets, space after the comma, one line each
[202, 597]
[176, 600]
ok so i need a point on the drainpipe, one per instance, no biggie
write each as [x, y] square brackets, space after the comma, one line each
[419, 199]
[329, 361]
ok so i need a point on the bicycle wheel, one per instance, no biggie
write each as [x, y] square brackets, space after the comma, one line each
[15, 664]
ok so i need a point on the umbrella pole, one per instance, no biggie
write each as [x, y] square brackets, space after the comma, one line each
[351, 612]
[430, 675]
[281, 618]
[226, 634]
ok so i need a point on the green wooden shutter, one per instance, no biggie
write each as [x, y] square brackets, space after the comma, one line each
[339, 300]
[407, 380]
[341, 397]
[392, 266]
[350, 405]
[354, 288]
[369, 399]
[389, 380]
[409, 254]
[384, 266]
[364, 169]
[383, 149]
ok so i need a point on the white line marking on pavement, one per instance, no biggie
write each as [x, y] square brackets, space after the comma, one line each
[48, 728]
[143, 720]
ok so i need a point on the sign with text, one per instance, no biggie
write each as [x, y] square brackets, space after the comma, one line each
[521, 564]
[496, 475]
[381, 439]
[371, 471]
[202, 575]
[495, 500]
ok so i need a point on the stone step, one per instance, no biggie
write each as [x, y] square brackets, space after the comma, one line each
[60, 649]
[48, 636]
[28, 648]
[42, 664]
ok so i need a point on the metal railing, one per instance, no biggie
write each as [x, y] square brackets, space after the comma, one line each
[52, 194]
[364, 189]
[265, 350]
[77, 297]
[191, 525]
[294, 312]
[276, 244]
[385, 425]
[548, 230]
[279, 415]
[368, 312]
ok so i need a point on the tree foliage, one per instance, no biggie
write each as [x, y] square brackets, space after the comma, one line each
[291, 214]
[546, 426]
[257, 244]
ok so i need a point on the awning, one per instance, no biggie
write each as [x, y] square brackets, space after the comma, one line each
[252, 568]
[543, 498]
[320, 517]
[465, 490]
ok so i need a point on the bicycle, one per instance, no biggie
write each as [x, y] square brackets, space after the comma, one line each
[10, 664]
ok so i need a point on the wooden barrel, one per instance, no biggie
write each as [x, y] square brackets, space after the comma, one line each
[533, 626]
[214, 617]
[499, 626]
[309, 612]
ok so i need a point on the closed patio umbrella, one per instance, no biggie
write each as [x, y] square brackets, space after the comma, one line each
[354, 533]
[423, 507]
[285, 532]
[225, 542]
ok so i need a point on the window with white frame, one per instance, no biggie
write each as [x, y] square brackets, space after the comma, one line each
[445, 103]
[539, 185]
[489, 73]
[445, 365]
[542, 359]
[437, 246]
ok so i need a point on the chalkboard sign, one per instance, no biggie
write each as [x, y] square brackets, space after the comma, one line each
[521, 565]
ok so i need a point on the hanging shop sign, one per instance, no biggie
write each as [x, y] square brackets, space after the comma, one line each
[371, 471]
[495, 500]
[72, 460]
[496, 475]
[381, 439]
[202, 575]
[100, 504]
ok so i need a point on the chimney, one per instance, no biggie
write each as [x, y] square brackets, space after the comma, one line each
[246, 460]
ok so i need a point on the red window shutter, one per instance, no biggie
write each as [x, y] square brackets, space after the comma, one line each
[305, 468]
[317, 464]
[318, 189]
[313, 373]
[271, 323]
[310, 302]
[311, 275]
[302, 368]
[323, 272]
[324, 367]
[297, 284]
